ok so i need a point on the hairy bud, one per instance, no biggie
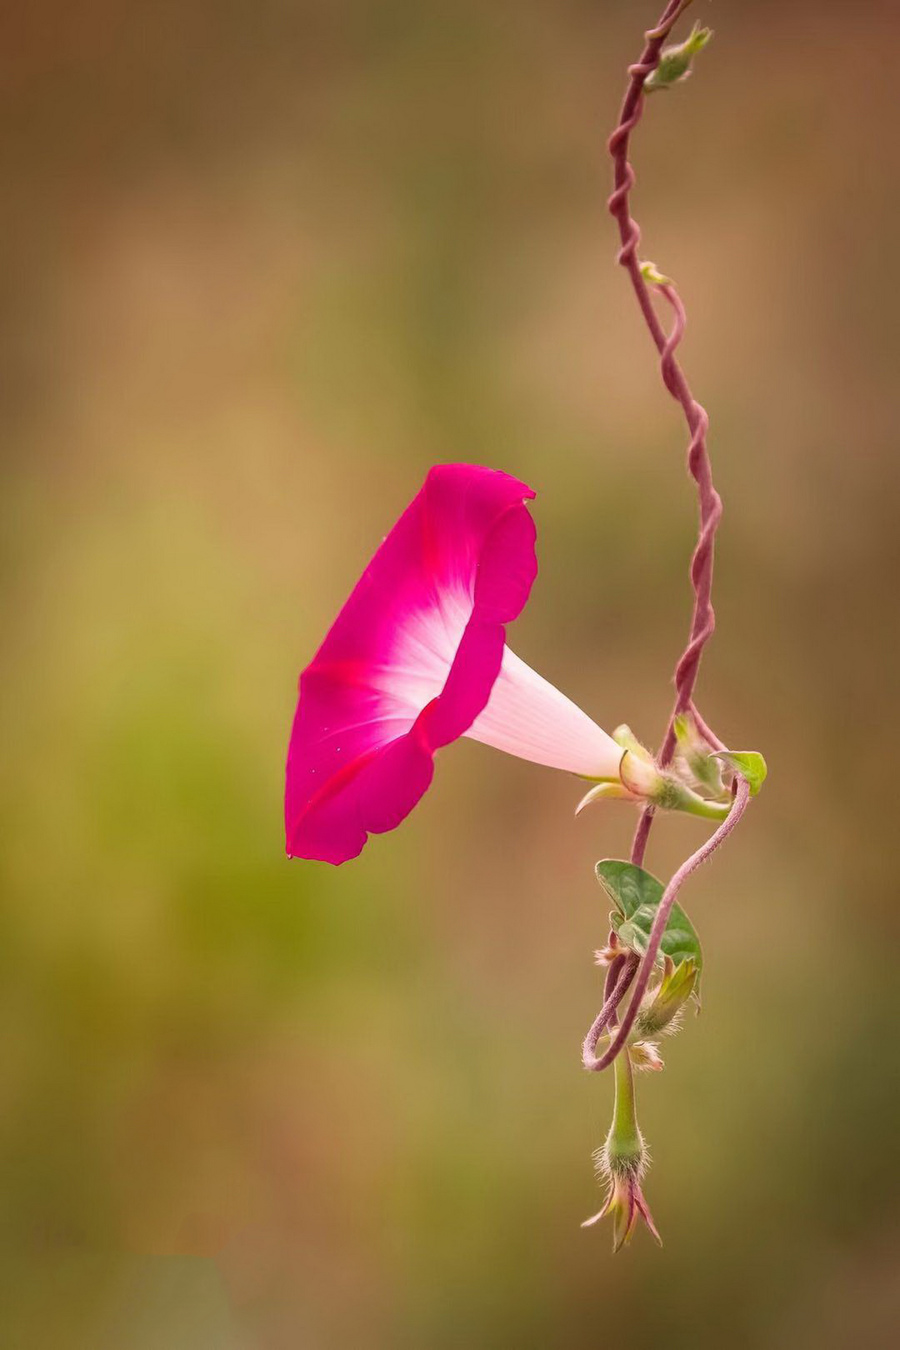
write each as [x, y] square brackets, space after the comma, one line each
[661, 1013]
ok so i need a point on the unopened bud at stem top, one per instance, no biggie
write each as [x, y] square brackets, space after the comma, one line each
[675, 62]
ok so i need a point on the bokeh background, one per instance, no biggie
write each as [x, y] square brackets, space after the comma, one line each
[262, 264]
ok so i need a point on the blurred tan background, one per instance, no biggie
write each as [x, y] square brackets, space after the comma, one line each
[262, 264]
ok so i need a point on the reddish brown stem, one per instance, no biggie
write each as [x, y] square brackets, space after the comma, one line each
[710, 504]
[618, 979]
[710, 513]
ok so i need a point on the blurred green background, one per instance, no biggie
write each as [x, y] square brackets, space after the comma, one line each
[262, 264]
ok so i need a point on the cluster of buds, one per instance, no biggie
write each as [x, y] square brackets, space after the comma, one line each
[661, 1010]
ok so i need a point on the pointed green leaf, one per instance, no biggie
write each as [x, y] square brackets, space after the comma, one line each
[749, 764]
[636, 895]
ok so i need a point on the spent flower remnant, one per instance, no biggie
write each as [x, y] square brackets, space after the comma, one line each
[622, 1161]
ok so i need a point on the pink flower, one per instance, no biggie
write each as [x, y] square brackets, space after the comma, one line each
[417, 658]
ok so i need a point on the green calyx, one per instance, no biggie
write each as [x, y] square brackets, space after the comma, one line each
[666, 790]
[676, 796]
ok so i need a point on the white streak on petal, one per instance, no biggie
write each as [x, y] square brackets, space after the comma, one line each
[424, 645]
[529, 717]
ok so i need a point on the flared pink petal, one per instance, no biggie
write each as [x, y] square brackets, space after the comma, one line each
[529, 717]
[410, 660]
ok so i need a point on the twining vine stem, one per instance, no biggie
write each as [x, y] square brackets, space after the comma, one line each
[623, 971]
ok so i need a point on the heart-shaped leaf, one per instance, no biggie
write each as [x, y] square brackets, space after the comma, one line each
[636, 895]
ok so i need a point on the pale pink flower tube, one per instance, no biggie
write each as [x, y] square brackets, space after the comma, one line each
[417, 658]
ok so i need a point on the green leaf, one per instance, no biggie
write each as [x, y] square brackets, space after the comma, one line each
[636, 895]
[749, 764]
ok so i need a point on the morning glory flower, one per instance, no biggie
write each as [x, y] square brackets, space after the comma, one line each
[416, 658]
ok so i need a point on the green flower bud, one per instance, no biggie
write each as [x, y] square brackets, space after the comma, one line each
[661, 1013]
[695, 754]
[675, 63]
